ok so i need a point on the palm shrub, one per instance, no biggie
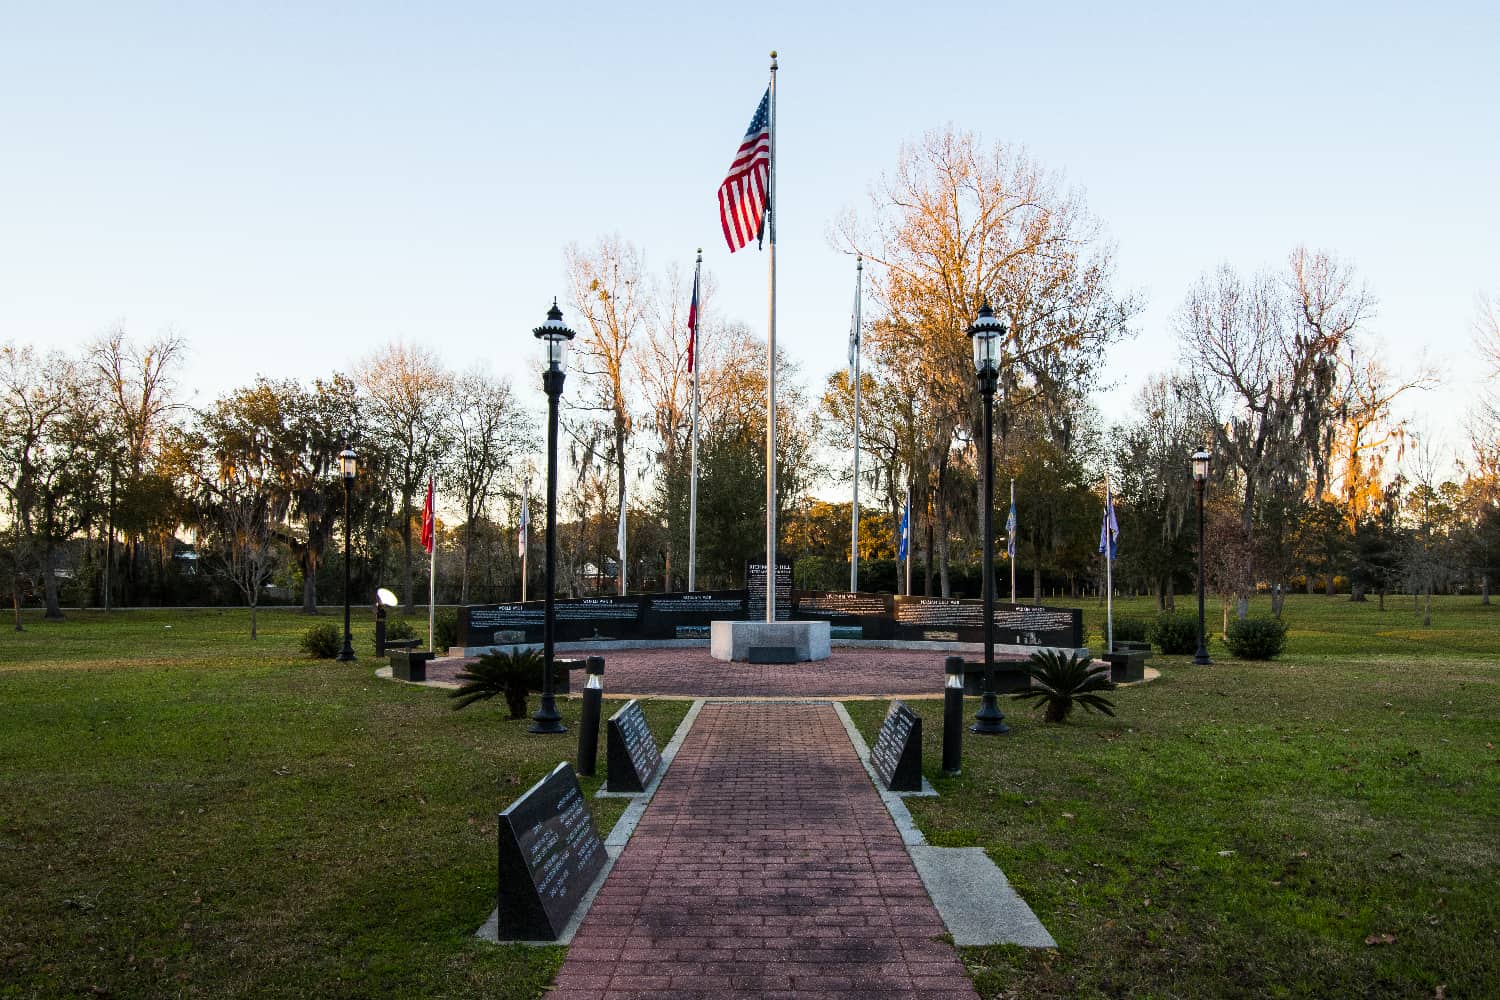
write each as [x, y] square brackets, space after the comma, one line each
[509, 673]
[1175, 633]
[445, 631]
[1061, 681]
[322, 641]
[1261, 638]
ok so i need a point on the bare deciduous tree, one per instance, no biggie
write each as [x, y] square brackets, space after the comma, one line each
[409, 393]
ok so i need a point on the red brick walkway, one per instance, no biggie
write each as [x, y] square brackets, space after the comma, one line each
[694, 673]
[766, 866]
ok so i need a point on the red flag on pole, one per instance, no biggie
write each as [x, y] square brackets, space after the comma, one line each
[427, 520]
[693, 317]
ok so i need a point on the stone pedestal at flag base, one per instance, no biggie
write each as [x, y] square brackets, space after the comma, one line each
[770, 642]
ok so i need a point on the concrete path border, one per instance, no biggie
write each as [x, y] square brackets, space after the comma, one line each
[971, 893]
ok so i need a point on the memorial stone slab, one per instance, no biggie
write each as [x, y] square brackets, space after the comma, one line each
[631, 752]
[550, 853]
[897, 753]
[755, 588]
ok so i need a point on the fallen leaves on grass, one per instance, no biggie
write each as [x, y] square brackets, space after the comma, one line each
[1375, 939]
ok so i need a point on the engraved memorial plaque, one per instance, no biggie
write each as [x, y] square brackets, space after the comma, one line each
[897, 753]
[755, 587]
[631, 753]
[550, 853]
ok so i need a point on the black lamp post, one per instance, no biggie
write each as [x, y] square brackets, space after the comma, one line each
[348, 466]
[1201, 461]
[985, 336]
[554, 334]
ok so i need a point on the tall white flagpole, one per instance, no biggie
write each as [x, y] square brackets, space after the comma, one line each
[859, 274]
[620, 541]
[693, 484]
[1109, 575]
[432, 583]
[910, 530]
[1013, 555]
[525, 533]
[771, 210]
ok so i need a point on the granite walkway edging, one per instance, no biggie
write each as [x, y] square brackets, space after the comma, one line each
[614, 842]
[971, 893]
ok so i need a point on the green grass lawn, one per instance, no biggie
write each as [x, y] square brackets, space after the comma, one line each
[1245, 829]
[185, 813]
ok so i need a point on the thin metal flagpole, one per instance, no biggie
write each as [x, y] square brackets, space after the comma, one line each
[1109, 575]
[525, 534]
[432, 578]
[693, 483]
[1012, 532]
[859, 273]
[621, 541]
[771, 365]
[909, 546]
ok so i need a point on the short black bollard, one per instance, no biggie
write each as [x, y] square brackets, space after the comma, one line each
[953, 714]
[379, 631]
[588, 724]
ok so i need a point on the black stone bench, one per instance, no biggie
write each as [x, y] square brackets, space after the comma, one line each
[410, 664]
[1010, 677]
[1126, 667]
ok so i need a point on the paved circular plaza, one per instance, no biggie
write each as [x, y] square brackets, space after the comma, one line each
[693, 673]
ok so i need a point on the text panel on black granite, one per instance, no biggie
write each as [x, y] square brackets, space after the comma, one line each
[755, 588]
[550, 853]
[897, 753]
[689, 615]
[872, 616]
[631, 751]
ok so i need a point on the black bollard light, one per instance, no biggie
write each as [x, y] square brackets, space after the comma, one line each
[588, 723]
[953, 715]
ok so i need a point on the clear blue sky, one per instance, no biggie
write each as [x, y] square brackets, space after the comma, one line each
[290, 185]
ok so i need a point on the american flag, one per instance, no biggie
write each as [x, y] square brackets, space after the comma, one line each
[693, 319]
[743, 195]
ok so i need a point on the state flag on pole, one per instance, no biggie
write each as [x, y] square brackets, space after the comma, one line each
[744, 193]
[428, 524]
[620, 533]
[1011, 525]
[905, 545]
[693, 324]
[854, 332]
[1109, 529]
[523, 528]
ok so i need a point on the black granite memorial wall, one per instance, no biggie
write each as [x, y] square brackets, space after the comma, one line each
[851, 616]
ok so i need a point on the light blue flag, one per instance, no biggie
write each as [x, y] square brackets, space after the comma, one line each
[1109, 529]
[1010, 531]
[905, 531]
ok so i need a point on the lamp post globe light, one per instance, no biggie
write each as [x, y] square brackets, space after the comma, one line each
[1202, 459]
[554, 335]
[985, 336]
[348, 469]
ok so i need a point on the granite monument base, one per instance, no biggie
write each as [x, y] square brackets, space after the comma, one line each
[800, 641]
